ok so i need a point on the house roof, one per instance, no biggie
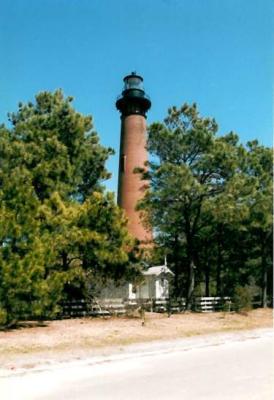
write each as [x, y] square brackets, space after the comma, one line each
[158, 270]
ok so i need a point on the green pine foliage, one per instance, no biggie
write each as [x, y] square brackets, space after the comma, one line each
[56, 222]
[210, 205]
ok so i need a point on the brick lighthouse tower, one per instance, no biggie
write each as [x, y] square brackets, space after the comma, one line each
[133, 105]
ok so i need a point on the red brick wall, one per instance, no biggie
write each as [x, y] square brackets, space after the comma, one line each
[130, 188]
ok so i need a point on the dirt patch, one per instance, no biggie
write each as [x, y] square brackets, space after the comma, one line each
[78, 338]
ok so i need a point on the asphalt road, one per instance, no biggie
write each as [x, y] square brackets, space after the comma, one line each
[236, 369]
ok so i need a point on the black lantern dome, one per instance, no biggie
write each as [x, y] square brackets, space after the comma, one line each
[133, 99]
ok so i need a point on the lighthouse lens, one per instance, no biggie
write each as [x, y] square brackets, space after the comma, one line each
[133, 83]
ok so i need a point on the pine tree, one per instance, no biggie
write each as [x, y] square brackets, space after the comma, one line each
[56, 221]
[203, 200]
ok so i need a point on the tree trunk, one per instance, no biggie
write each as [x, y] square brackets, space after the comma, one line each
[207, 272]
[207, 279]
[264, 289]
[219, 263]
[176, 269]
[264, 277]
[191, 285]
[218, 279]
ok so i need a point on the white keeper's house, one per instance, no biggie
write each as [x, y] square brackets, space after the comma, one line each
[154, 286]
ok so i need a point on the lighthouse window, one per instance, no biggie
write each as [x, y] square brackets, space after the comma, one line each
[123, 162]
[133, 83]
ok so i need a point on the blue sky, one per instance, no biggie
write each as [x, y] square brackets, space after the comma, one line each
[218, 53]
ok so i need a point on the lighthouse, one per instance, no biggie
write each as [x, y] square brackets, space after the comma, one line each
[133, 105]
